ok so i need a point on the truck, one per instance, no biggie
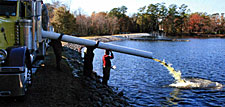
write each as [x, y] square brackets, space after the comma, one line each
[20, 44]
[23, 44]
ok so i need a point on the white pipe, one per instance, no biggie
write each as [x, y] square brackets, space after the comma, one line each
[86, 42]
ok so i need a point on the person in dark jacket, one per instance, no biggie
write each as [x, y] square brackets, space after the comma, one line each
[88, 61]
[55, 43]
[57, 48]
[106, 66]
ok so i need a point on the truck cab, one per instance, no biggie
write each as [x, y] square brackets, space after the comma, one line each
[20, 44]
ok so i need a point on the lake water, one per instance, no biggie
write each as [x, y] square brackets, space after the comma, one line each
[145, 82]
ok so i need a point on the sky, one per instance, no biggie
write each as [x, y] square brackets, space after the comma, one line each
[89, 6]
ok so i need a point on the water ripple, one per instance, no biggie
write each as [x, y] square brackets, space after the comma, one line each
[144, 81]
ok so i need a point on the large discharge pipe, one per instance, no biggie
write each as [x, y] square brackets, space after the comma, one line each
[86, 42]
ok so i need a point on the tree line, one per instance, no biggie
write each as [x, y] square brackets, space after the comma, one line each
[172, 20]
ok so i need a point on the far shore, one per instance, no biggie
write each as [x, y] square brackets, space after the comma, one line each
[134, 35]
[197, 35]
[118, 37]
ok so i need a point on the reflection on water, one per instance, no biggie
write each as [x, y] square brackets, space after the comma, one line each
[145, 82]
[173, 99]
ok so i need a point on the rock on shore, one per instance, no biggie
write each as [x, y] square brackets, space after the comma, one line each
[60, 88]
[98, 94]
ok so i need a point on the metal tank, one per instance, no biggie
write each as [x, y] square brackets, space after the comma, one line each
[38, 14]
[26, 38]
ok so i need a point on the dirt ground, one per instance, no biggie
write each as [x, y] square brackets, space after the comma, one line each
[59, 88]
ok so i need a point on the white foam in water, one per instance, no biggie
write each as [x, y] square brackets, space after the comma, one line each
[197, 83]
[189, 83]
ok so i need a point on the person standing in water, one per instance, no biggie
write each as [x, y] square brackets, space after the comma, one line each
[106, 66]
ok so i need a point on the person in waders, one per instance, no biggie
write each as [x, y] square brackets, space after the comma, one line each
[106, 66]
[55, 43]
[88, 59]
[57, 48]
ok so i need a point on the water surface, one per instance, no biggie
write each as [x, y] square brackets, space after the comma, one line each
[145, 82]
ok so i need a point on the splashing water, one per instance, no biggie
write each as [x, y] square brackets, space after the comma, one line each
[188, 82]
[173, 72]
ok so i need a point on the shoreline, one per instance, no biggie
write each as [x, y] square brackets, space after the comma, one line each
[116, 37]
[110, 95]
[100, 95]
[94, 83]
[197, 35]
[136, 35]
[133, 36]
[104, 95]
[66, 87]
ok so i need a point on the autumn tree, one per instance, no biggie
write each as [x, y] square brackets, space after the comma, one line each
[112, 25]
[222, 24]
[63, 21]
[51, 9]
[99, 23]
[206, 24]
[83, 25]
[153, 17]
[215, 22]
[195, 22]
